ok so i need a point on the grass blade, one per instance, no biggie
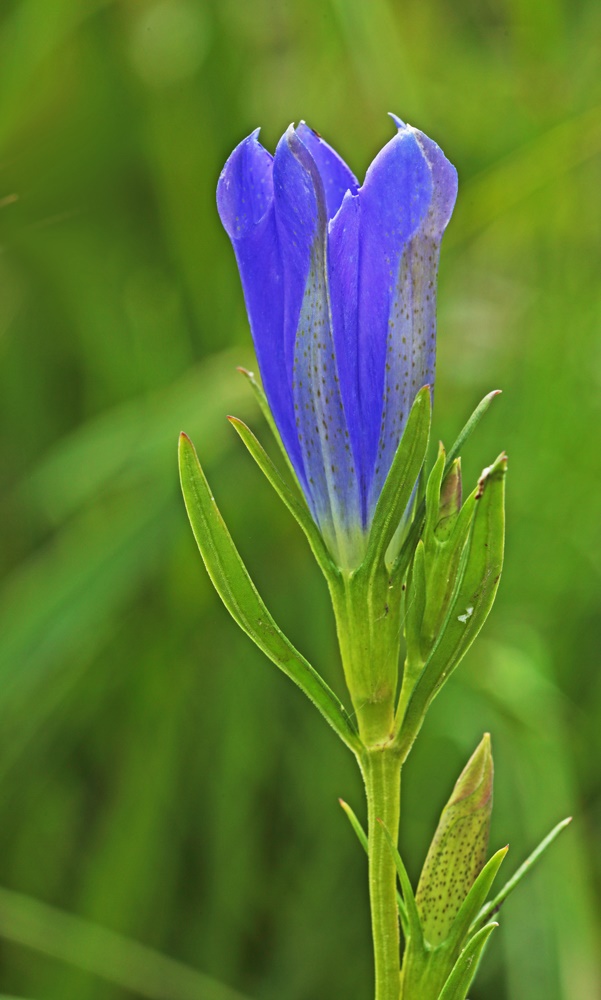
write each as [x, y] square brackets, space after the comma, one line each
[103, 953]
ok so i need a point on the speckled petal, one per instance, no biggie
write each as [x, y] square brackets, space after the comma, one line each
[327, 457]
[340, 288]
[393, 202]
[411, 335]
[343, 276]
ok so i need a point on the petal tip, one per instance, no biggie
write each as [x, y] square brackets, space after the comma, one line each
[245, 187]
[397, 121]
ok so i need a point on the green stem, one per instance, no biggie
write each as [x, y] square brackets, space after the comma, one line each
[382, 775]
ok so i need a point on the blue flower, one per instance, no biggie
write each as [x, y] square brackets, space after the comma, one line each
[340, 288]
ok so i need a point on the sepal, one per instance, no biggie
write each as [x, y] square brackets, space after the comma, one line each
[401, 479]
[237, 591]
[478, 576]
[367, 602]
[405, 554]
[415, 607]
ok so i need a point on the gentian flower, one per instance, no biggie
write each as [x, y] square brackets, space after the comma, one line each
[340, 288]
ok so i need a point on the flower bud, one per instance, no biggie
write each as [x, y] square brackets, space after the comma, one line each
[458, 851]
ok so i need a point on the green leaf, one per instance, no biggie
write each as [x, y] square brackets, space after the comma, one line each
[494, 904]
[478, 580]
[469, 428]
[294, 501]
[237, 591]
[459, 847]
[466, 966]
[404, 557]
[261, 398]
[414, 927]
[402, 476]
[356, 825]
[362, 838]
[472, 904]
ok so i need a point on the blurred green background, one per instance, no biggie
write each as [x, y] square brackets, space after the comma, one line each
[159, 780]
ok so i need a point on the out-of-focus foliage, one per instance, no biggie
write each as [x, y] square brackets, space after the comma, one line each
[158, 777]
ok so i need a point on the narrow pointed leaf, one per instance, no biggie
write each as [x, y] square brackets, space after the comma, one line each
[356, 825]
[469, 428]
[473, 598]
[490, 908]
[414, 927]
[402, 477]
[473, 903]
[465, 968]
[293, 500]
[404, 557]
[237, 591]
[362, 838]
[261, 398]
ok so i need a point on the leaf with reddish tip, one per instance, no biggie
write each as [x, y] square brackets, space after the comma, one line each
[237, 591]
[458, 850]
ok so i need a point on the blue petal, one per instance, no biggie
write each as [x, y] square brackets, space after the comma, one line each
[393, 202]
[246, 206]
[301, 213]
[336, 177]
[245, 187]
[444, 180]
[411, 341]
[343, 276]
